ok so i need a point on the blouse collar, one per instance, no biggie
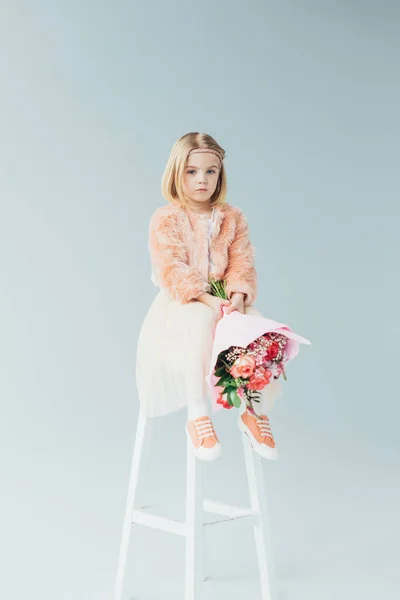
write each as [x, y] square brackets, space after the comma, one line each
[217, 216]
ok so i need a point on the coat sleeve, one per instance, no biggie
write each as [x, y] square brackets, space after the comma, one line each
[170, 258]
[241, 274]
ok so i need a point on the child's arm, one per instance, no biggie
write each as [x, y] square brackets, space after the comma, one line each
[170, 261]
[241, 274]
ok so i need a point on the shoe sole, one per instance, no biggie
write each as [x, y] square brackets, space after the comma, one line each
[206, 457]
[266, 451]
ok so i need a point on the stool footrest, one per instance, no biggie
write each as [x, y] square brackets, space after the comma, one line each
[228, 510]
[141, 518]
[232, 513]
[252, 520]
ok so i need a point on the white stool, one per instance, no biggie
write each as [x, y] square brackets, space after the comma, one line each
[193, 528]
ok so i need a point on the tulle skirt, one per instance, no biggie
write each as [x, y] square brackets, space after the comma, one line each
[173, 356]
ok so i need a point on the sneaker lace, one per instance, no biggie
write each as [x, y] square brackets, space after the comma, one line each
[264, 427]
[204, 428]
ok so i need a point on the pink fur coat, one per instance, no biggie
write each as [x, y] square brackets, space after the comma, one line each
[178, 245]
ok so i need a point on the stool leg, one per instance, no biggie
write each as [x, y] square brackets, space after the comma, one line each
[140, 499]
[194, 526]
[141, 431]
[262, 534]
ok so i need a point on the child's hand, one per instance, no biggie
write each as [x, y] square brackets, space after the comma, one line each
[237, 303]
[217, 305]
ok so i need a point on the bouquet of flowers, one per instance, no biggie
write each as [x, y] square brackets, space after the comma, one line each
[243, 372]
[249, 353]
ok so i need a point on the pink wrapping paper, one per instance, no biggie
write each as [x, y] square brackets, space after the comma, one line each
[237, 329]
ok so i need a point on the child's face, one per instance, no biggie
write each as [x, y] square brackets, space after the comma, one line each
[200, 177]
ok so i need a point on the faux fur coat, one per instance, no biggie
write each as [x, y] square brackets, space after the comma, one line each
[178, 245]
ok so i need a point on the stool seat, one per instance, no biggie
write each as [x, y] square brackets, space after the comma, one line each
[194, 525]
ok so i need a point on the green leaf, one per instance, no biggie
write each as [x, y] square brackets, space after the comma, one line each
[234, 398]
[229, 389]
[229, 380]
[225, 380]
[219, 372]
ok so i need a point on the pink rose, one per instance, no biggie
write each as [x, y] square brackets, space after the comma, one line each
[260, 379]
[243, 367]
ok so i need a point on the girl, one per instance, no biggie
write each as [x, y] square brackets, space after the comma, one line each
[197, 234]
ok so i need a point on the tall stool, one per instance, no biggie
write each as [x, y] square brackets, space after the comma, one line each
[193, 527]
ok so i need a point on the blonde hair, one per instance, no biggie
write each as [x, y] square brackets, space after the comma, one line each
[171, 185]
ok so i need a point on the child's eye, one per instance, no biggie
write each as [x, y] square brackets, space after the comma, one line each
[191, 171]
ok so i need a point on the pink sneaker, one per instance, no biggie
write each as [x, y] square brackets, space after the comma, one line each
[258, 431]
[204, 440]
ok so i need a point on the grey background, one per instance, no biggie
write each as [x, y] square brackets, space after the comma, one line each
[304, 98]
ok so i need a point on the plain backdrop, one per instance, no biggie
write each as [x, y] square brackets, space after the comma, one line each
[304, 97]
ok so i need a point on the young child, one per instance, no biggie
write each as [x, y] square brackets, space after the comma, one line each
[197, 234]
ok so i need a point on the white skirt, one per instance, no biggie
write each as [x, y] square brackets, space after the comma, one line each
[173, 356]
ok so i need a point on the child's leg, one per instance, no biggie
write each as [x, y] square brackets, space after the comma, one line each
[199, 426]
[258, 429]
[198, 408]
[201, 430]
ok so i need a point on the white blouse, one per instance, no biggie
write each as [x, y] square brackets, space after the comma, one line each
[210, 230]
